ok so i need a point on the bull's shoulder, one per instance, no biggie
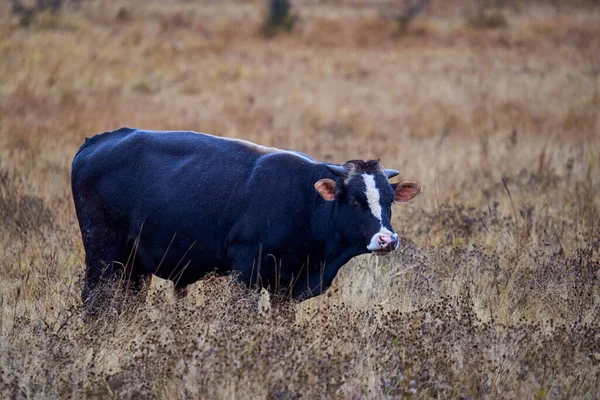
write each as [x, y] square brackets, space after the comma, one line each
[285, 176]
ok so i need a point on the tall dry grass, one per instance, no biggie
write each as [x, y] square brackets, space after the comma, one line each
[494, 291]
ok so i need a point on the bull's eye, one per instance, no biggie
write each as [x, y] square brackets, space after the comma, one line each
[353, 202]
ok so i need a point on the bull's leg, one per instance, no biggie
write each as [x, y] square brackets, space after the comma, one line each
[320, 279]
[102, 246]
[110, 282]
[136, 281]
[101, 274]
[244, 263]
[114, 272]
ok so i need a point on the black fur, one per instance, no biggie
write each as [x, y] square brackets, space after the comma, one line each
[183, 204]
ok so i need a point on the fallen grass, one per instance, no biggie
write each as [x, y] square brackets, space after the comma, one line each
[494, 291]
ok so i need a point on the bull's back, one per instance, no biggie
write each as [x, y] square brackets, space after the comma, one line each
[162, 183]
[146, 168]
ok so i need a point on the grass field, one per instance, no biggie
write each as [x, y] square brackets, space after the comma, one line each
[495, 290]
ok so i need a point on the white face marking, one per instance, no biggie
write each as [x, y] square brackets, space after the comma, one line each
[382, 239]
[372, 194]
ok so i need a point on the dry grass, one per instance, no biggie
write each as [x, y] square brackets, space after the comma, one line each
[495, 291]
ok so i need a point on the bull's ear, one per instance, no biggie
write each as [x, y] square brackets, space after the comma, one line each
[326, 188]
[406, 190]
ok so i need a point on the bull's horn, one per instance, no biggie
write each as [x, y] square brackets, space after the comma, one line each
[337, 170]
[391, 173]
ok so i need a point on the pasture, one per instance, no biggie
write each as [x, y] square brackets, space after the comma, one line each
[495, 289]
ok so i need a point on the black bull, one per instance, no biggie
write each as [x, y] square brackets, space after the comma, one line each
[180, 205]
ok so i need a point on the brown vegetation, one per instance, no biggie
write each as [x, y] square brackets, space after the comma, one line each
[495, 290]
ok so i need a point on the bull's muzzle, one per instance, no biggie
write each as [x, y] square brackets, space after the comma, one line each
[383, 242]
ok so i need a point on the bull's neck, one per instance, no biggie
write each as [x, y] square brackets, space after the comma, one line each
[325, 231]
[323, 228]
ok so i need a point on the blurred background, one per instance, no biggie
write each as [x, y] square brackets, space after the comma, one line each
[492, 105]
[427, 86]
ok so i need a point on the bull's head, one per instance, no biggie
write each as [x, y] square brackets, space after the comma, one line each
[364, 199]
